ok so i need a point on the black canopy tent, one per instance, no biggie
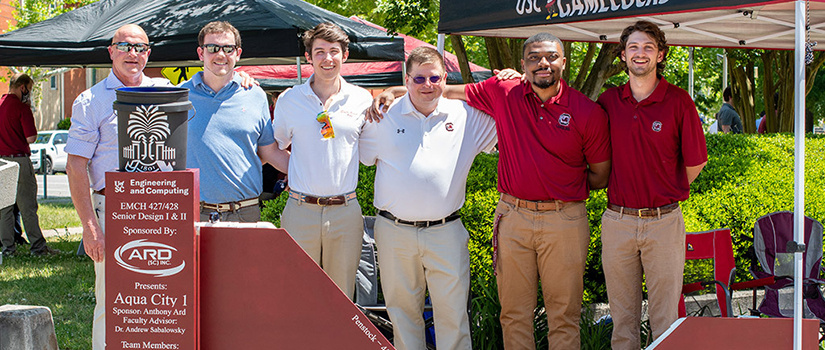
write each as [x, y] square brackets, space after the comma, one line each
[775, 24]
[270, 31]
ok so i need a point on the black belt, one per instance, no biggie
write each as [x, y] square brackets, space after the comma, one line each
[452, 217]
[19, 155]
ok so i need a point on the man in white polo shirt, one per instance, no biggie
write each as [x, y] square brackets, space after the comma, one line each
[423, 151]
[322, 120]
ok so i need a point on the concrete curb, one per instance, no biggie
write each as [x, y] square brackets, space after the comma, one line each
[699, 305]
[55, 232]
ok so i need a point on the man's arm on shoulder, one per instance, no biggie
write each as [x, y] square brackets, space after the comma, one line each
[597, 174]
[693, 172]
[455, 92]
[382, 102]
[275, 156]
[93, 236]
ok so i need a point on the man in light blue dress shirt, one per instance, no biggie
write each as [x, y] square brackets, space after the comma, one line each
[230, 134]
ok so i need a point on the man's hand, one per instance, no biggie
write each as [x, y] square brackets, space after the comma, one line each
[94, 241]
[93, 235]
[381, 103]
[248, 81]
[507, 74]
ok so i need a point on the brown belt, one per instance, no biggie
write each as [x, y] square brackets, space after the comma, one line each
[101, 191]
[322, 201]
[229, 206]
[644, 212]
[535, 205]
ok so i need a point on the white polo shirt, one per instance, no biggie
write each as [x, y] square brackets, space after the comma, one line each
[318, 166]
[422, 161]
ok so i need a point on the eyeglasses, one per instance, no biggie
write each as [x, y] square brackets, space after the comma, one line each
[126, 47]
[326, 125]
[433, 79]
[213, 48]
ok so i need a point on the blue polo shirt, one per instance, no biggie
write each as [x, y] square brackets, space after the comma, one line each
[225, 130]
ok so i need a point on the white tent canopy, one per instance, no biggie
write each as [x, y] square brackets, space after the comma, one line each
[776, 24]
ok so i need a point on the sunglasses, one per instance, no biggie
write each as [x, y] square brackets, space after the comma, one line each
[126, 47]
[213, 48]
[326, 125]
[433, 79]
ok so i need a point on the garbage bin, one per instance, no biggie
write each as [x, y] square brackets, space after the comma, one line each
[152, 128]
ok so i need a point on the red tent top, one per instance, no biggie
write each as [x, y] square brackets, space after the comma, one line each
[350, 69]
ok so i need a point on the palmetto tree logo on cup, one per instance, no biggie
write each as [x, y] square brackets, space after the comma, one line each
[148, 130]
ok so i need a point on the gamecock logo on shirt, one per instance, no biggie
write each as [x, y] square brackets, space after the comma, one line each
[657, 126]
[564, 119]
[449, 126]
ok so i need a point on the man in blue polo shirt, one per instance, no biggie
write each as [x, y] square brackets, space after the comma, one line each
[230, 134]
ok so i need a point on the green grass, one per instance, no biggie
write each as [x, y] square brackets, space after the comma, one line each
[57, 213]
[63, 283]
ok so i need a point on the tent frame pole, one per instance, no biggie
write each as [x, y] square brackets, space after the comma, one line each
[799, 167]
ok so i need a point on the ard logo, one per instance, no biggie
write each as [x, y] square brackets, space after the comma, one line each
[148, 130]
[149, 258]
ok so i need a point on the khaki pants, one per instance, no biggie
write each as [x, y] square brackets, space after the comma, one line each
[330, 235]
[99, 316]
[412, 260]
[551, 245]
[632, 246]
[27, 202]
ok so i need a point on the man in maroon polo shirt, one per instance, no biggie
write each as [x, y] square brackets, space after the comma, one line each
[658, 150]
[17, 131]
[554, 147]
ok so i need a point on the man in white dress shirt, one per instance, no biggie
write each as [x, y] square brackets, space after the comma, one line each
[423, 151]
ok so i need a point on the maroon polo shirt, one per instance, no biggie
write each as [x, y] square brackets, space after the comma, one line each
[653, 141]
[16, 124]
[544, 147]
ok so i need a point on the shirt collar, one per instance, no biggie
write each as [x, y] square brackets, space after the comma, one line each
[112, 81]
[561, 98]
[198, 83]
[407, 108]
[658, 94]
[307, 87]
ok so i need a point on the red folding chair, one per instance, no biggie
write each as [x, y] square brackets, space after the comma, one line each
[716, 245]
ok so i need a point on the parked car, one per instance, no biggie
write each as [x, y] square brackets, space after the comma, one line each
[51, 143]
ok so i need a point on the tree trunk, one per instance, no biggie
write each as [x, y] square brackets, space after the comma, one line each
[742, 89]
[461, 55]
[515, 52]
[768, 88]
[602, 69]
[746, 106]
[785, 105]
[493, 54]
[585, 66]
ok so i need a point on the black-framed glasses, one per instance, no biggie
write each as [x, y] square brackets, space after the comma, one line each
[213, 48]
[433, 79]
[126, 47]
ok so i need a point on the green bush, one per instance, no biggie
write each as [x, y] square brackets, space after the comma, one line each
[747, 176]
[64, 124]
